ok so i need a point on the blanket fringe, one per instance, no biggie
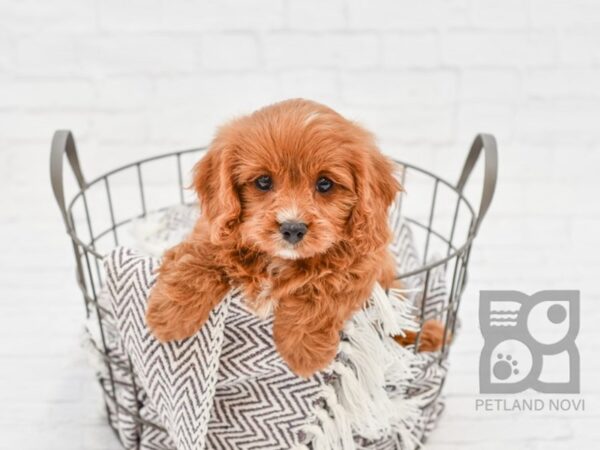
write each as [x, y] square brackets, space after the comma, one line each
[355, 399]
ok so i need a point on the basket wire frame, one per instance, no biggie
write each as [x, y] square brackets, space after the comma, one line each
[455, 245]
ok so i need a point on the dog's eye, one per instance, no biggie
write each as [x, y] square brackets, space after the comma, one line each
[264, 183]
[324, 184]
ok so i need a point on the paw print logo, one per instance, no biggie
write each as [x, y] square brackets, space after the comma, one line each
[505, 367]
[524, 335]
[510, 362]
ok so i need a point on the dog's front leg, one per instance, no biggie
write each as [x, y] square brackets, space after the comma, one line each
[305, 335]
[188, 287]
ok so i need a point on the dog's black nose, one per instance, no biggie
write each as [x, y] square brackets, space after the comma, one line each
[293, 232]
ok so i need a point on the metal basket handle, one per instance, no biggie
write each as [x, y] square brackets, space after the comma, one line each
[63, 142]
[487, 143]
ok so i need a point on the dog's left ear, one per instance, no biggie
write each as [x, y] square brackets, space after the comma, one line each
[214, 184]
[376, 188]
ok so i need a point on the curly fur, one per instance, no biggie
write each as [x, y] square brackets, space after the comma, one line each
[314, 286]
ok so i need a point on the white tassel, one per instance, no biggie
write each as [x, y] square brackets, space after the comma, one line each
[318, 438]
[407, 429]
[358, 402]
[329, 428]
[404, 309]
[369, 372]
[351, 394]
[402, 367]
[340, 418]
[381, 303]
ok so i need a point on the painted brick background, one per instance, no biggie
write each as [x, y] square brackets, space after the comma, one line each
[133, 78]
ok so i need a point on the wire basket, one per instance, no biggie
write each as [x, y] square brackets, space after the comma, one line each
[99, 213]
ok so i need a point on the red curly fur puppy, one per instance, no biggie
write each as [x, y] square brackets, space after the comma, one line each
[294, 202]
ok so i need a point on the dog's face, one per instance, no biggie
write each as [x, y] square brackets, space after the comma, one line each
[296, 202]
[294, 179]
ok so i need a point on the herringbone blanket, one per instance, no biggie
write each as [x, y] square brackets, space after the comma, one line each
[227, 388]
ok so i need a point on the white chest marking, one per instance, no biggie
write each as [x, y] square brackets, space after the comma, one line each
[264, 305]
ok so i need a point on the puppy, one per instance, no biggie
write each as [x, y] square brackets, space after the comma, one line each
[294, 202]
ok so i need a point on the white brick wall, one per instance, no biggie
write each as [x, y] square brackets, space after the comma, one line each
[133, 78]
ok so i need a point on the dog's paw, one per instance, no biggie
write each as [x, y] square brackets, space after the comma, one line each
[305, 361]
[432, 336]
[431, 340]
[169, 321]
[305, 353]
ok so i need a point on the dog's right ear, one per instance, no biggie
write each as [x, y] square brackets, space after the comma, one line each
[215, 186]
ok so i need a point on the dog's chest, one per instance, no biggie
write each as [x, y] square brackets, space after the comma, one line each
[264, 304]
[260, 297]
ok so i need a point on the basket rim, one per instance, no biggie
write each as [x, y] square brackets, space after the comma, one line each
[89, 247]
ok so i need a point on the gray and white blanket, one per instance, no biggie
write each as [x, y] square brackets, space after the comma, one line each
[227, 387]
